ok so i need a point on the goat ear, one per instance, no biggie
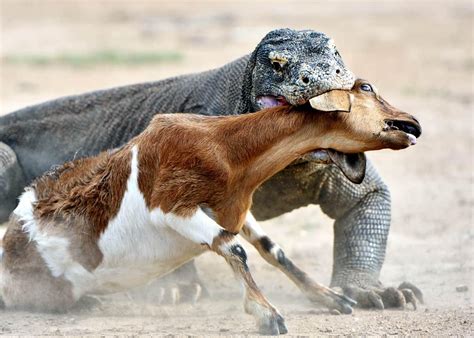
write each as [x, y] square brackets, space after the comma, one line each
[334, 100]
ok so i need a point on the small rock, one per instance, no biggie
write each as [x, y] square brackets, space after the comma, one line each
[462, 288]
[54, 329]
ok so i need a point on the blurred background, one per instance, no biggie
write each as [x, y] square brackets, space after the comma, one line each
[419, 54]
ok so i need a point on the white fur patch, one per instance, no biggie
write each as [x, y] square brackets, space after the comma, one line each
[199, 228]
[256, 231]
[53, 249]
[24, 211]
[118, 242]
[55, 252]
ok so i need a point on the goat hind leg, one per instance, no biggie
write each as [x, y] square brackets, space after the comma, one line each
[274, 255]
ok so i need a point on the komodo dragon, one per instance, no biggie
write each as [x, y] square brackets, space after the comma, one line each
[287, 67]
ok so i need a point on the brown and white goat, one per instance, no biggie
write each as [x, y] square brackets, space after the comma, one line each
[183, 186]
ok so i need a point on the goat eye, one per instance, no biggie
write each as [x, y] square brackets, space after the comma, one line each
[366, 87]
[277, 66]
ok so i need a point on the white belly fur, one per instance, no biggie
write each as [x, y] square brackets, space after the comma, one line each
[136, 247]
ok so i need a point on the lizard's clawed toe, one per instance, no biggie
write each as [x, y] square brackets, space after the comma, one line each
[379, 297]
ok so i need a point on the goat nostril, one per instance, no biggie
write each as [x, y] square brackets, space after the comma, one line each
[305, 79]
[338, 71]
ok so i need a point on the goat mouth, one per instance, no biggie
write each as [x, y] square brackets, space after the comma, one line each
[268, 101]
[411, 129]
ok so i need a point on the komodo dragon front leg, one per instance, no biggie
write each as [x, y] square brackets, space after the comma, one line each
[362, 222]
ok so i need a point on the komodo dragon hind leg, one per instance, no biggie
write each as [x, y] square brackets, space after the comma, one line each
[362, 214]
[12, 181]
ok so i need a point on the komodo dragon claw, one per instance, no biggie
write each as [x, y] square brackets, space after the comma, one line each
[380, 297]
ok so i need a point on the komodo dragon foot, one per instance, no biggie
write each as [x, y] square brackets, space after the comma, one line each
[380, 297]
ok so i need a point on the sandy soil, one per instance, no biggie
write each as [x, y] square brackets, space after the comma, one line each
[420, 56]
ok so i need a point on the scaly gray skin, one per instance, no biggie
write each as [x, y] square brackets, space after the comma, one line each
[286, 67]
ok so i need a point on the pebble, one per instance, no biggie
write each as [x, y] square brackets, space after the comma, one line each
[462, 288]
[54, 329]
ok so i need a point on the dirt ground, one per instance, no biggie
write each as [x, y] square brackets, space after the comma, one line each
[420, 56]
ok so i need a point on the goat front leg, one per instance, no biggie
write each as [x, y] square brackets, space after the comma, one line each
[274, 255]
[202, 229]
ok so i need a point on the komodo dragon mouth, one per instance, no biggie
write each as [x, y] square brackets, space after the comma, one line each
[268, 101]
[352, 165]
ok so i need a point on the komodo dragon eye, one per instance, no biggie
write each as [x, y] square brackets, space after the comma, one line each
[366, 87]
[276, 65]
[277, 61]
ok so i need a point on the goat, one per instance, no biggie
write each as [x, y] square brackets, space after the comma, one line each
[183, 186]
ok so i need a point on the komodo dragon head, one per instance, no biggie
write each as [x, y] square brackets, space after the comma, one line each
[289, 67]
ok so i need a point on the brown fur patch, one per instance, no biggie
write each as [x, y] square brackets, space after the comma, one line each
[92, 187]
[187, 160]
[78, 199]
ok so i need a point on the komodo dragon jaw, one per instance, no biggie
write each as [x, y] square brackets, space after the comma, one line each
[290, 67]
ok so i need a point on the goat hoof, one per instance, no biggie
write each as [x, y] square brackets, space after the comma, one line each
[281, 325]
[342, 303]
[273, 326]
[346, 309]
